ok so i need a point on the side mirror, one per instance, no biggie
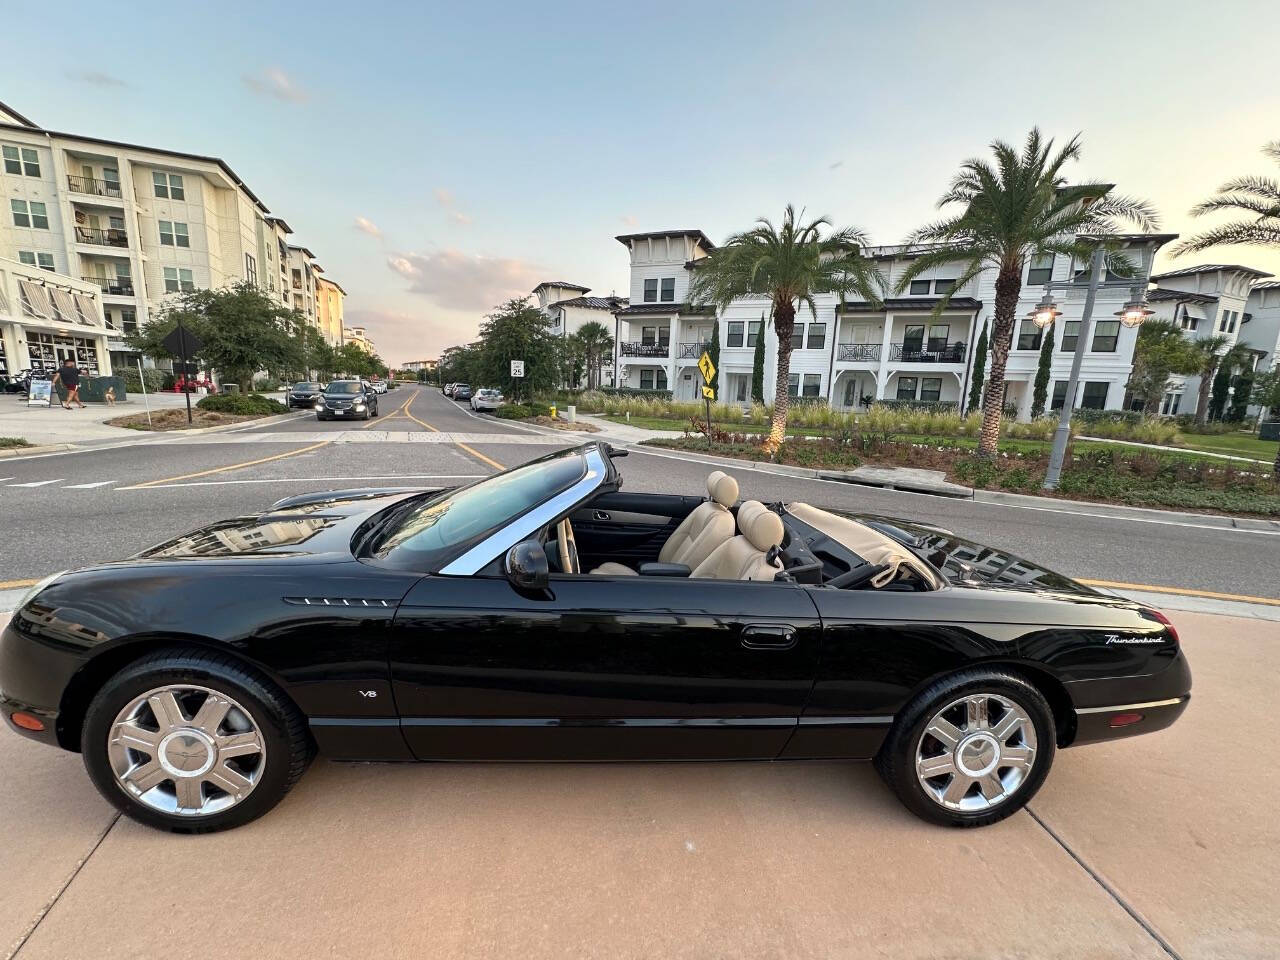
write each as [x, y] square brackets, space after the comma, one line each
[527, 567]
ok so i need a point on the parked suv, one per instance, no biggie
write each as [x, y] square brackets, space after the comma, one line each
[461, 391]
[304, 394]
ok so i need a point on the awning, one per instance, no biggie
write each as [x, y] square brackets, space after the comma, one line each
[89, 314]
[35, 300]
[64, 306]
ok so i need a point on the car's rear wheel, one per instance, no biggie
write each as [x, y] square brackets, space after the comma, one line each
[971, 749]
[193, 742]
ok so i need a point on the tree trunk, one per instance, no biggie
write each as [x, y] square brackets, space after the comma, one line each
[1202, 395]
[1275, 468]
[1008, 286]
[784, 322]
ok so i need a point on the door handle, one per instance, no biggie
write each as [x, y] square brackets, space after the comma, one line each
[601, 515]
[768, 637]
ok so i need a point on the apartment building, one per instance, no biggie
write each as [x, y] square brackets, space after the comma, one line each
[141, 223]
[360, 337]
[417, 366]
[48, 317]
[857, 353]
[329, 300]
[568, 308]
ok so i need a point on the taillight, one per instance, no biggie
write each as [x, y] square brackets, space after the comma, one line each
[1152, 614]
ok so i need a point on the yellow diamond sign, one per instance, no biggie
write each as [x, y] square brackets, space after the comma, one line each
[709, 392]
[706, 367]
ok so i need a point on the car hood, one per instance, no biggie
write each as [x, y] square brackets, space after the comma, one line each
[319, 525]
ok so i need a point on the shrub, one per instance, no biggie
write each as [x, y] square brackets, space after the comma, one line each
[242, 404]
[942, 406]
[515, 411]
[153, 378]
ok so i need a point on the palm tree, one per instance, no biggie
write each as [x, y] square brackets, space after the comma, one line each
[1010, 212]
[597, 343]
[1207, 360]
[1258, 197]
[790, 264]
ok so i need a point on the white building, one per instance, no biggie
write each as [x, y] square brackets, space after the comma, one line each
[140, 223]
[568, 308]
[1262, 313]
[1207, 301]
[360, 337]
[856, 354]
[46, 318]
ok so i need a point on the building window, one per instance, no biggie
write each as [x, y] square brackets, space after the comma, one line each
[251, 269]
[646, 379]
[1105, 335]
[129, 320]
[734, 339]
[168, 186]
[1095, 395]
[1188, 321]
[1229, 318]
[1169, 407]
[1070, 334]
[651, 291]
[21, 161]
[851, 392]
[939, 334]
[753, 332]
[1040, 270]
[931, 389]
[166, 233]
[180, 235]
[944, 286]
[797, 337]
[812, 384]
[919, 287]
[793, 385]
[648, 336]
[653, 379]
[906, 388]
[173, 234]
[1059, 395]
[913, 338]
[176, 279]
[33, 214]
[817, 336]
[1029, 336]
[32, 259]
[668, 289]
[44, 261]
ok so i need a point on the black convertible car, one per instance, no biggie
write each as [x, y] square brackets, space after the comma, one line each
[543, 614]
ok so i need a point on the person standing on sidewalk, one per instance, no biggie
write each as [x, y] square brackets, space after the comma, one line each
[69, 377]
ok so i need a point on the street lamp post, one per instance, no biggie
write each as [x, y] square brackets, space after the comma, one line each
[1133, 314]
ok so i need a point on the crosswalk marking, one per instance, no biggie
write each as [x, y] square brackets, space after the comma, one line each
[37, 483]
[87, 486]
[389, 436]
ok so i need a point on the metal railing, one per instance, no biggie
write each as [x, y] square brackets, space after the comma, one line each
[94, 187]
[859, 351]
[913, 352]
[692, 350]
[119, 286]
[644, 349]
[111, 237]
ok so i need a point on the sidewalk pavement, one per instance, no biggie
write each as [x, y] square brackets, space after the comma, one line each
[51, 425]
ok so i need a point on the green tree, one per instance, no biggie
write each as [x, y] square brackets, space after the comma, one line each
[518, 331]
[1011, 212]
[1161, 351]
[571, 360]
[597, 348]
[1208, 353]
[1258, 198]
[1040, 392]
[1266, 394]
[790, 264]
[713, 351]
[1235, 360]
[241, 331]
[757, 367]
[979, 370]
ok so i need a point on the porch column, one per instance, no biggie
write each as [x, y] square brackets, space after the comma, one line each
[882, 369]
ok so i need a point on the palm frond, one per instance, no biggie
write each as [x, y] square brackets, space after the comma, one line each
[1263, 188]
[1236, 202]
[1243, 233]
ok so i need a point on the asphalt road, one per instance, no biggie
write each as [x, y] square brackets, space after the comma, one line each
[65, 510]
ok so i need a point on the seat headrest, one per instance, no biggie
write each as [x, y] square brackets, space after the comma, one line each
[722, 488]
[761, 526]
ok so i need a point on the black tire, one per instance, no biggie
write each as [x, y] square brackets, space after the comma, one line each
[896, 761]
[282, 727]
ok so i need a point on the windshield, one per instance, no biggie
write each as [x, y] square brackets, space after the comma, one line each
[422, 534]
[345, 386]
[306, 386]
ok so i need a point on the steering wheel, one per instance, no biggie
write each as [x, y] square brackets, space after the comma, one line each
[568, 547]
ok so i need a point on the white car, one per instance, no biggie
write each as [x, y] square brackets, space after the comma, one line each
[486, 399]
[379, 386]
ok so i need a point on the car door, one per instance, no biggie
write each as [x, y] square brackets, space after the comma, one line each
[602, 668]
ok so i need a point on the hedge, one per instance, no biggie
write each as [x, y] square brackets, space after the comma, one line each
[242, 404]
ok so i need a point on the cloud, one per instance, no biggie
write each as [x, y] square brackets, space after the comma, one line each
[835, 166]
[95, 78]
[402, 336]
[460, 218]
[365, 225]
[628, 220]
[447, 200]
[274, 82]
[444, 197]
[464, 281]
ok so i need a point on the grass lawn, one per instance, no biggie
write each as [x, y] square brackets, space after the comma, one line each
[1233, 445]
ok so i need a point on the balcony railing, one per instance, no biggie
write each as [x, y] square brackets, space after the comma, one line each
[916, 352]
[118, 286]
[93, 187]
[111, 237]
[859, 351]
[644, 349]
[692, 350]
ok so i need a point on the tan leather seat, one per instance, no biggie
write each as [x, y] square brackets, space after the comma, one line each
[871, 545]
[709, 525]
[745, 557]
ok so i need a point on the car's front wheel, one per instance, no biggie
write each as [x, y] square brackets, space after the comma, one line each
[193, 742]
[971, 749]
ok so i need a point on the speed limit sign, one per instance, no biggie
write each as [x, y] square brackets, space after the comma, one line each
[517, 368]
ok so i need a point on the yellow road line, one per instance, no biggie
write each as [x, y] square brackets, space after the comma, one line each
[13, 584]
[475, 453]
[229, 467]
[1180, 591]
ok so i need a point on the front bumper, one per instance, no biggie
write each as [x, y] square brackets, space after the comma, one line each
[34, 674]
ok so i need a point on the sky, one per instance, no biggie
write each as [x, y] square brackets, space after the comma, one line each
[440, 158]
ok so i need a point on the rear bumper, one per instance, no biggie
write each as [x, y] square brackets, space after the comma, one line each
[1157, 699]
[1093, 724]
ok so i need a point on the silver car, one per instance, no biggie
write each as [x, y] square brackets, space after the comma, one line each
[486, 399]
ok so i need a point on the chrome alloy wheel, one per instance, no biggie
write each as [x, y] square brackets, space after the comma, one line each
[186, 750]
[976, 752]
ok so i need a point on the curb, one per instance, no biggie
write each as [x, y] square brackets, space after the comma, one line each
[146, 436]
[28, 451]
[1130, 513]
